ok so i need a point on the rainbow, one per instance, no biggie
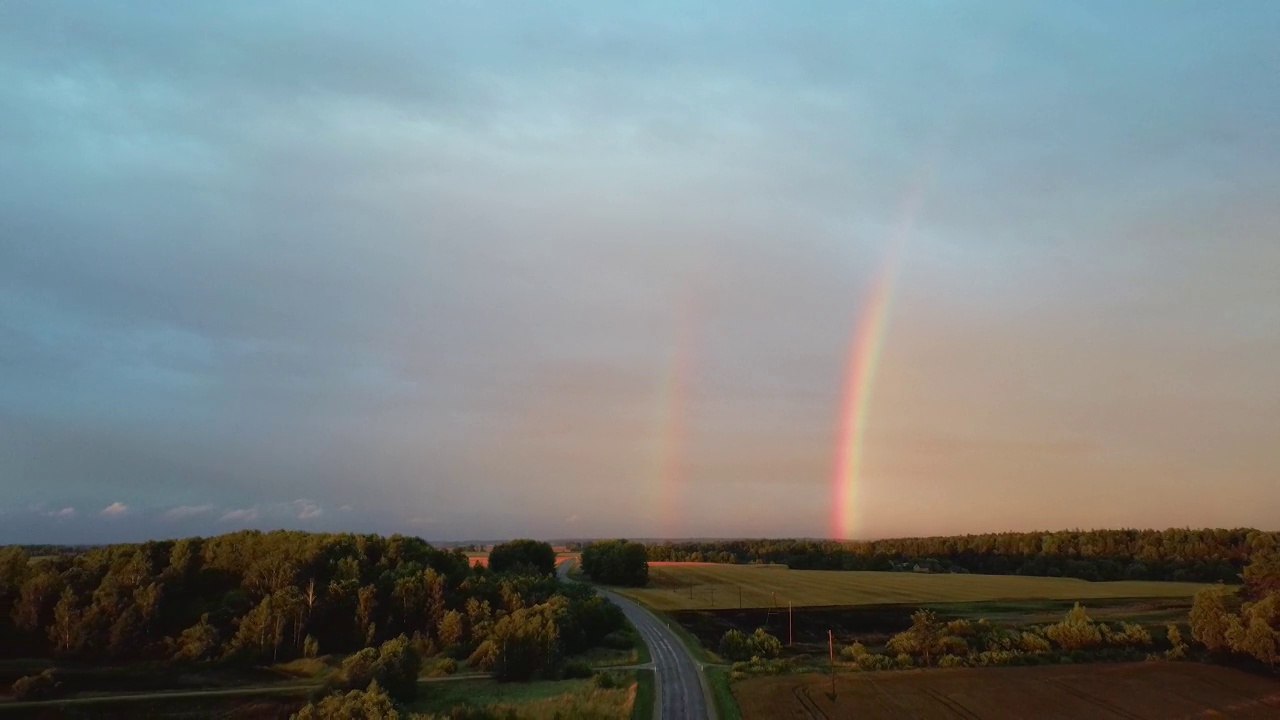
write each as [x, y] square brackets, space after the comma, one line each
[672, 402]
[860, 373]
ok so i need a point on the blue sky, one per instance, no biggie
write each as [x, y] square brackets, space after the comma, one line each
[423, 267]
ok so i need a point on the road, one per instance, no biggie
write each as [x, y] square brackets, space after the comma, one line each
[682, 692]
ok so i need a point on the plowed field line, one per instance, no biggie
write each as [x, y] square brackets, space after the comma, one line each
[1095, 701]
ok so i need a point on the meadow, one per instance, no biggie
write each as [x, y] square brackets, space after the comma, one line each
[698, 586]
[1134, 690]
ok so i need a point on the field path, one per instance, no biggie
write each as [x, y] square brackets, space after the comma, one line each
[682, 691]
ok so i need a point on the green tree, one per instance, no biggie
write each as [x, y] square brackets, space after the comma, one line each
[451, 629]
[1210, 618]
[925, 638]
[395, 666]
[735, 646]
[65, 632]
[521, 644]
[616, 562]
[198, 642]
[523, 555]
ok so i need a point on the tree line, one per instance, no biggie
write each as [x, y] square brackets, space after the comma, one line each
[258, 597]
[1208, 555]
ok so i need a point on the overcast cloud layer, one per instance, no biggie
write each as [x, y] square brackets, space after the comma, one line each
[429, 267]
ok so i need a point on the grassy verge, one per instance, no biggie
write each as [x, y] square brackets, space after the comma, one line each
[722, 695]
[643, 708]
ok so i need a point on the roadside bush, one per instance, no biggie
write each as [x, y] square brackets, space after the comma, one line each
[575, 669]
[371, 703]
[760, 666]
[872, 661]
[852, 652]
[606, 680]
[44, 686]
[394, 666]
[738, 646]
[765, 645]
[619, 640]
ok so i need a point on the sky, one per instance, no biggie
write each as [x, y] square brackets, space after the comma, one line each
[479, 270]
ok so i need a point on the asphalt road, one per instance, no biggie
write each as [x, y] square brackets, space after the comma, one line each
[681, 690]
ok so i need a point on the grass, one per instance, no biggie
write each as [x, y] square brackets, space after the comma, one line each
[547, 699]
[643, 707]
[721, 586]
[722, 695]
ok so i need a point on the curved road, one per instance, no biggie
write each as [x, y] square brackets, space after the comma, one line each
[682, 692]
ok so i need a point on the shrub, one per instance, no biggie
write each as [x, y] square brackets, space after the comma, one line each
[44, 686]
[1130, 635]
[310, 647]
[1032, 643]
[619, 640]
[853, 652]
[735, 645]
[574, 669]
[947, 661]
[394, 666]
[904, 660]
[1177, 647]
[605, 680]
[369, 704]
[765, 645]
[1076, 632]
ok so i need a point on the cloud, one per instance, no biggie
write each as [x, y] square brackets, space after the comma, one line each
[307, 510]
[182, 512]
[241, 515]
[115, 509]
[571, 519]
[64, 513]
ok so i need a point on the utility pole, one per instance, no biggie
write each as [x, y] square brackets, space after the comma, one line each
[831, 650]
[791, 638]
[739, 597]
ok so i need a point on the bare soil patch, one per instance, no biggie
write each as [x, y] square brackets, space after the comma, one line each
[1133, 691]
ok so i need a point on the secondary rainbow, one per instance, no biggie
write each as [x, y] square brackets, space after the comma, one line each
[672, 409]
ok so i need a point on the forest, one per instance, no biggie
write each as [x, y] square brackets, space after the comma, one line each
[1208, 555]
[251, 598]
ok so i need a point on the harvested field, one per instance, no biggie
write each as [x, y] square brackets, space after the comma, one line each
[1135, 691]
[701, 587]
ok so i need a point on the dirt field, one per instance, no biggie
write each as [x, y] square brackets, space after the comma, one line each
[1134, 691]
[701, 586]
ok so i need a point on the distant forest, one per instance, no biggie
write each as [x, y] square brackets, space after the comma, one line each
[1210, 555]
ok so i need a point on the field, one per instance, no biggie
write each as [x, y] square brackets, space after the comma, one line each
[872, 625]
[704, 586]
[1133, 691]
[565, 698]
